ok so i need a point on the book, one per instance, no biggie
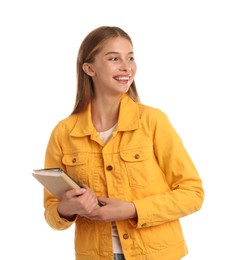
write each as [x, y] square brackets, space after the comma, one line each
[56, 181]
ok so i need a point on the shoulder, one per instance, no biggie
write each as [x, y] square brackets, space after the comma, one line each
[151, 112]
[155, 119]
[66, 124]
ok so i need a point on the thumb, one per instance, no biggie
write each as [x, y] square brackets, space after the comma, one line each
[79, 191]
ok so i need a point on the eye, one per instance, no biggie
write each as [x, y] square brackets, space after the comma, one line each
[131, 58]
[114, 59]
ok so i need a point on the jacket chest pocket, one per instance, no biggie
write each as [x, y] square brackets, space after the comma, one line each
[138, 164]
[76, 165]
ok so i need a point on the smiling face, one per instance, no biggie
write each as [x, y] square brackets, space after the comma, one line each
[114, 67]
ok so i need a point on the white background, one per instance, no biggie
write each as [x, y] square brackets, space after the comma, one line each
[187, 58]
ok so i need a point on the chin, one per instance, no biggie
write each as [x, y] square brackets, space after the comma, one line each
[124, 89]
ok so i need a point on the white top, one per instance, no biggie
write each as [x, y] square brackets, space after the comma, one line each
[105, 136]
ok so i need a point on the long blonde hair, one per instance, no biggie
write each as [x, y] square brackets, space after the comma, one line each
[90, 46]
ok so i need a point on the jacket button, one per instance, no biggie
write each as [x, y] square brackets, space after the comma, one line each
[125, 236]
[137, 156]
[74, 160]
[109, 167]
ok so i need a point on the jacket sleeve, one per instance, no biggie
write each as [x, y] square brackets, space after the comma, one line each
[185, 194]
[53, 159]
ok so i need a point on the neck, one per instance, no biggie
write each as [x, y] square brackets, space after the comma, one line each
[105, 113]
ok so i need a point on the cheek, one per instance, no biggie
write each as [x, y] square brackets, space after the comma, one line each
[134, 67]
[102, 72]
[105, 69]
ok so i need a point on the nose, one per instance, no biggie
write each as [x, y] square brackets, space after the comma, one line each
[125, 66]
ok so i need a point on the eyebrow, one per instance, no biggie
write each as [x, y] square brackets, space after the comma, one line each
[114, 52]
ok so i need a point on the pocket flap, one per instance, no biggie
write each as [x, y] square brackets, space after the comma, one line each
[134, 155]
[74, 159]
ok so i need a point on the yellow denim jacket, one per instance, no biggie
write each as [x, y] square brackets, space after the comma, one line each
[144, 162]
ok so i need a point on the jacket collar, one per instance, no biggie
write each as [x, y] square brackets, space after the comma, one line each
[128, 118]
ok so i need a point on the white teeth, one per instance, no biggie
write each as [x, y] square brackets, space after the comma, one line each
[122, 78]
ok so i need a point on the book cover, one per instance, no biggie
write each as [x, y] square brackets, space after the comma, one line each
[56, 181]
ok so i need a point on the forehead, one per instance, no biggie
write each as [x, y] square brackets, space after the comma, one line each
[118, 44]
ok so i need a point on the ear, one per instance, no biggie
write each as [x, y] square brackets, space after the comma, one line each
[87, 68]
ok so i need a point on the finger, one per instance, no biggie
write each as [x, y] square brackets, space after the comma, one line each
[103, 200]
[74, 192]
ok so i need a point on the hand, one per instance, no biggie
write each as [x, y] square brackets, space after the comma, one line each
[77, 202]
[113, 210]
